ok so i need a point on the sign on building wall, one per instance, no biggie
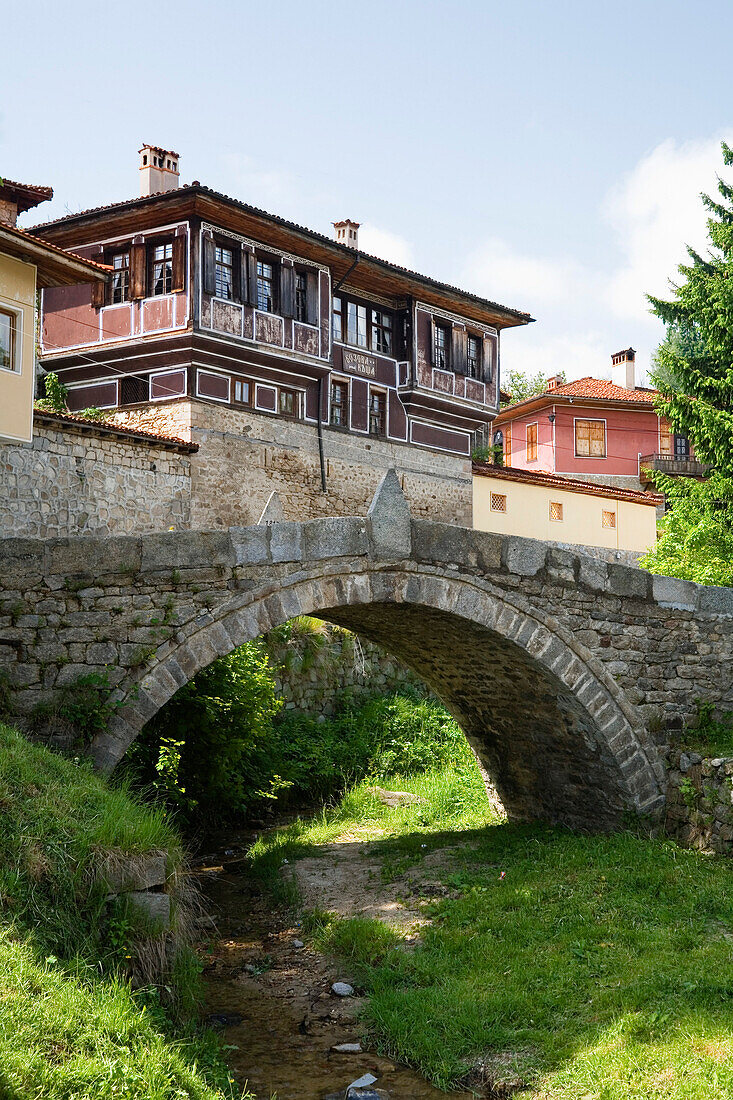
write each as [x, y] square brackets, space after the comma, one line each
[360, 363]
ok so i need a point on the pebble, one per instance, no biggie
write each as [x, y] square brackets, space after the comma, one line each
[342, 989]
[347, 1048]
[298, 943]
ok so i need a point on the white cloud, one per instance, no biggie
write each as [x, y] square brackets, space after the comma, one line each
[656, 211]
[270, 190]
[386, 245]
[505, 275]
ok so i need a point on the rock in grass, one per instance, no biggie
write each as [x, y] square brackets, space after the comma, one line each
[394, 798]
[298, 944]
[342, 989]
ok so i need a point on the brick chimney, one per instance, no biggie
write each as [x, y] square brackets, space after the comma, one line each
[158, 170]
[623, 369]
[554, 382]
[347, 232]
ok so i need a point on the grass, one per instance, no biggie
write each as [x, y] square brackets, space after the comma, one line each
[71, 1027]
[713, 733]
[560, 967]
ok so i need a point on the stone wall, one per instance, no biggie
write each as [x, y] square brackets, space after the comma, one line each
[243, 456]
[699, 811]
[344, 662]
[83, 479]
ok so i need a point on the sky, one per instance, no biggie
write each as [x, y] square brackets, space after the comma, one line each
[549, 156]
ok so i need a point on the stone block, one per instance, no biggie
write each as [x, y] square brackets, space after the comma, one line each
[671, 592]
[154, 908]
[251, 545]
[23, 556]
[286, 541]
[525, 557]
[334, 538]
[388, 519]
[715, 601]
[625, 581]
[592, 573]
[120, 874]
[186, 550]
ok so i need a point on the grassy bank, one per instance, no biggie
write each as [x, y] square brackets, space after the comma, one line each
[71, 1026]
[559, 967]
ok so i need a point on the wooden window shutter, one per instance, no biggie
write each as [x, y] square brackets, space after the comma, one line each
[209, 263]
[311, 298]
[287, 291]
[99, 294]
[459, 339]
[487, 366]
[252, 278]
[179, 264]
[138, 273]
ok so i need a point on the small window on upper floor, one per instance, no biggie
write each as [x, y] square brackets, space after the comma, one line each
[8, 340]
[356, 325]
[120, 285]
[301, 296]
[288, 402]
[590, 438]
[531, 443]
[266, 296]
[338, 326]
[377, 413]
[441, 348]
[381, 331]
[242, 392]
[609, 519]
[340, 404]
[161, 269]
[224, 272]
[473, 356]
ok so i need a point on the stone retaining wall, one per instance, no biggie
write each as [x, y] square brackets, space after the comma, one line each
[80, 479]
[699, 811]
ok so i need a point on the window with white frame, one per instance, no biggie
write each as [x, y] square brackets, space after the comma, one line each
[9, 359]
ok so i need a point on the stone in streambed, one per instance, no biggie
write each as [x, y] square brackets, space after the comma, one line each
[347, 1048]
[342, 989]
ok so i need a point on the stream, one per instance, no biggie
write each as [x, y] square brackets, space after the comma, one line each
[271, 999]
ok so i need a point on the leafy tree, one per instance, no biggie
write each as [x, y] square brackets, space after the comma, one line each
[521, 386]
[56, 395]
[696, 543]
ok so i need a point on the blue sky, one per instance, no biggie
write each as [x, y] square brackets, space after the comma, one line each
[548, 155]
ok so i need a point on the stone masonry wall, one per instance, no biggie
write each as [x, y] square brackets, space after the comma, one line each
[699, 810]
[243, 456]
[345, 662]
[69, 481]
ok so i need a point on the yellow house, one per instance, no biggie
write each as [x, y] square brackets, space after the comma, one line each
[561, 509]
[26, 265]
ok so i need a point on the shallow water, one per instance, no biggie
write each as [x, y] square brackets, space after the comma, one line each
[289, 1020]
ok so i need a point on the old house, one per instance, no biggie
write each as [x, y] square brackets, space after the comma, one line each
[600, 431]
[27, 264]
[296, 361]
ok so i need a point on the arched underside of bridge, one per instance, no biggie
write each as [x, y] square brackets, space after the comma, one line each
[552, 728]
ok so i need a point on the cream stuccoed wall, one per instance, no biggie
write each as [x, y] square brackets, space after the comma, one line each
[18, 294]
[528, 514]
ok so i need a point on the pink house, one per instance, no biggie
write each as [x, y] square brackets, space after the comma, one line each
[607, 432]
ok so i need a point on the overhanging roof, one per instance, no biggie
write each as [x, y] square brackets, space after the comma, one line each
[54, 265]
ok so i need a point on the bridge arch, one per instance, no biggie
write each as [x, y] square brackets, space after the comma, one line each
[552, 727]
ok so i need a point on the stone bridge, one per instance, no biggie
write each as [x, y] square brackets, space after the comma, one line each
[566, 673]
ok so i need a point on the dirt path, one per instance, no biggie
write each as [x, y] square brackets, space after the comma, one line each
[280, 1022]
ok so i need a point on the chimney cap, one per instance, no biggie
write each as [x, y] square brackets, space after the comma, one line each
[158, 149]
[620, 356]
[346, 221]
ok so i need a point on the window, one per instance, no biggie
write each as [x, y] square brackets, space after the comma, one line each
[265, 286]
[498, 502]
[337, 321]
[120, 288]
[161, 269]
[441, 350]
[508, 445]
[555, 511]
[301, 296]
[134, 390]
[473, 357]
[681, 446]
[288, 403]
[356, 325]
[224, 272]
[531, 443]
[590, 438]
[609, 519]
[8, 340]
[377, 413]
[242, 392]
[382, 331]
[340, 404]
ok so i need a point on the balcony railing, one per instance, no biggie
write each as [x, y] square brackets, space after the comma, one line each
[674, 467]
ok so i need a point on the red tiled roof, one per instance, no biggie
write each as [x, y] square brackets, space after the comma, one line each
[108, 427]
[600, 390]
[27, 195]
[33, 242]
[569, 484]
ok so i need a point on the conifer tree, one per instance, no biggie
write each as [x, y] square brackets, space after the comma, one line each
[693, 367]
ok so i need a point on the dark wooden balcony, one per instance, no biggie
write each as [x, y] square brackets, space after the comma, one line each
[672, 466]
